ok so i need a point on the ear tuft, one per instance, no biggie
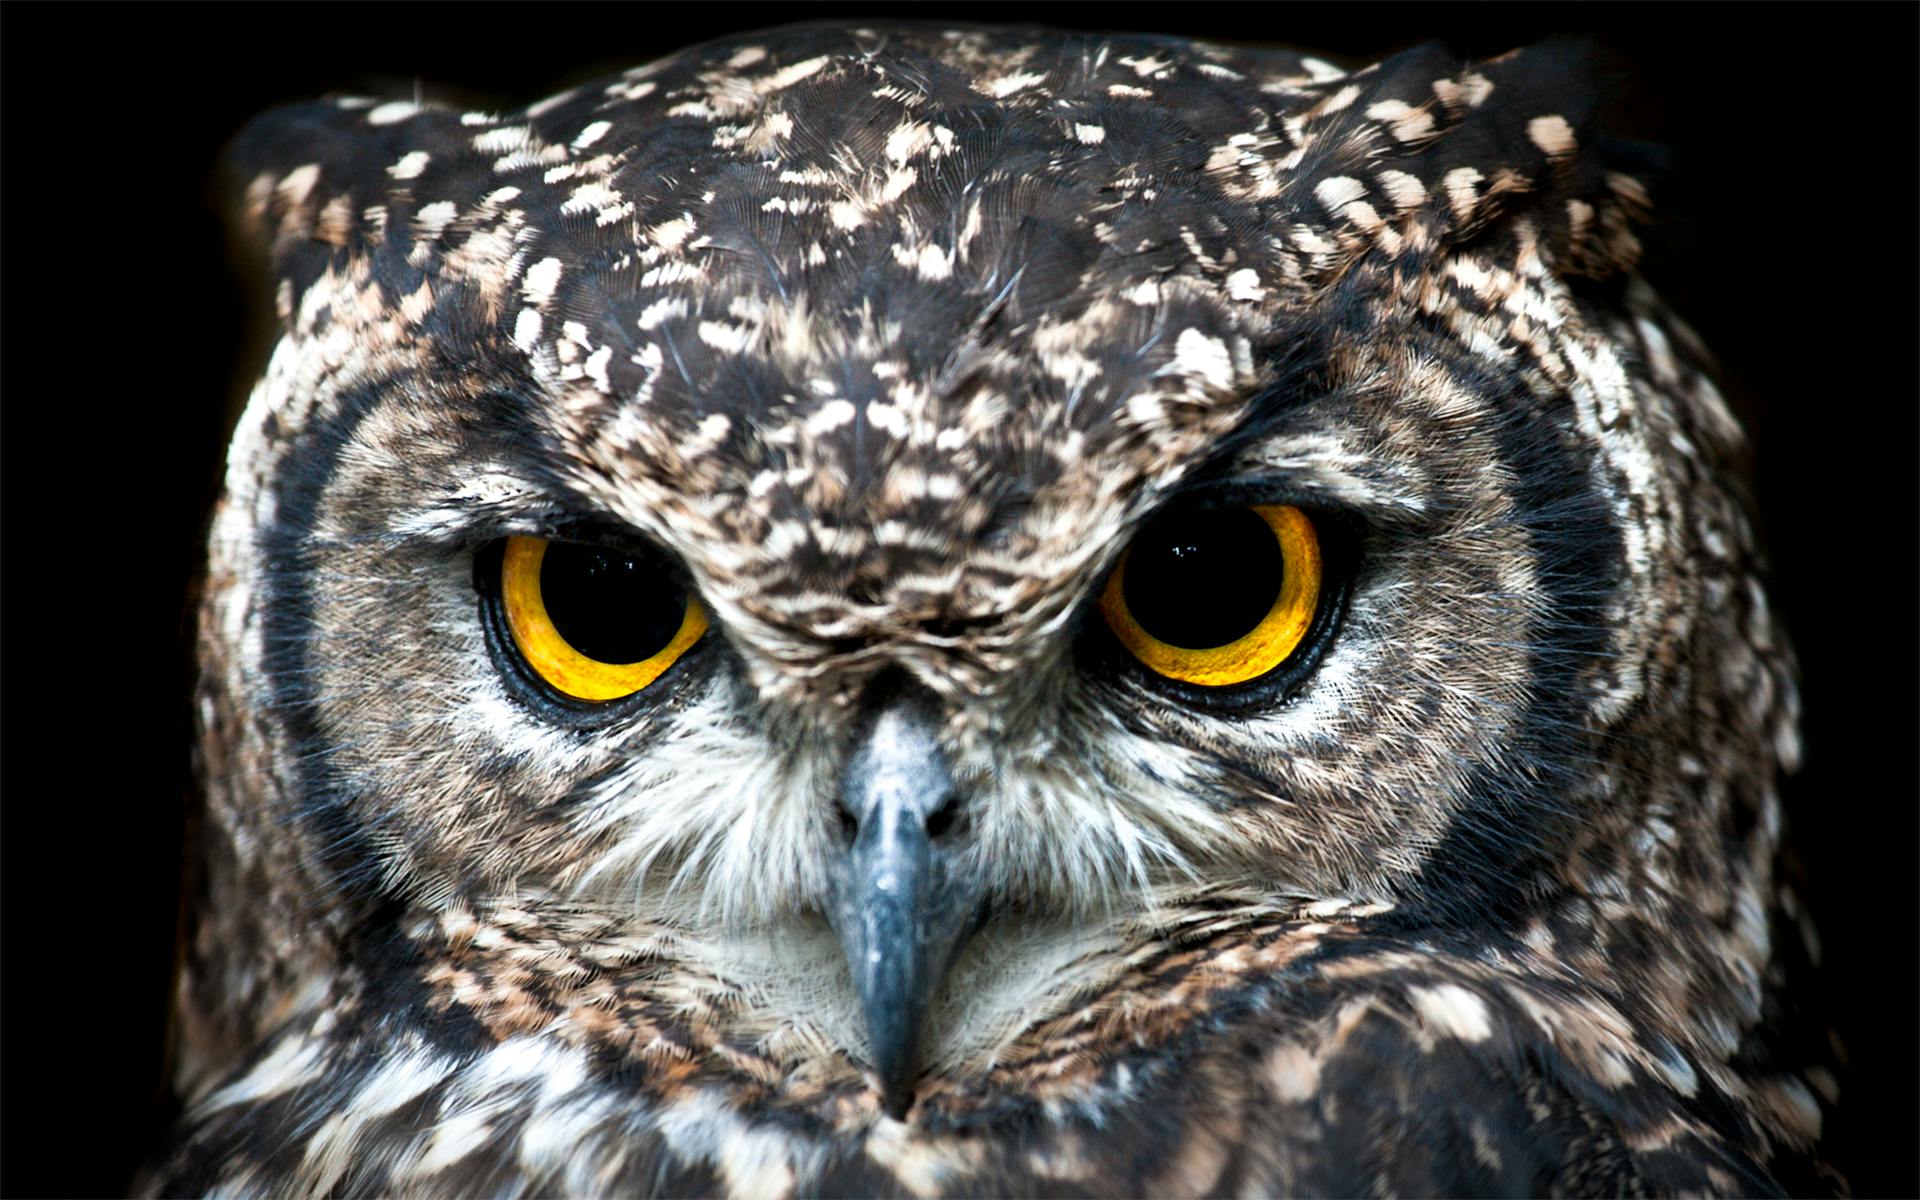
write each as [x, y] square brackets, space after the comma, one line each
[1417, 153]
[316, 179]
[1540, 127]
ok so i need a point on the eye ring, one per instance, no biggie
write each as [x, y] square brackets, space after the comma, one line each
[548, 654]
[1294, 611]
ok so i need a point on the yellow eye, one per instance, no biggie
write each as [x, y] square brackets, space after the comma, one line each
[1217, 597]
[596, 624]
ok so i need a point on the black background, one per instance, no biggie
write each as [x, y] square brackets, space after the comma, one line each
[127, 347]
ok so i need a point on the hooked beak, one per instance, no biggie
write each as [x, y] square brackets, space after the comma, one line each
[901, 905]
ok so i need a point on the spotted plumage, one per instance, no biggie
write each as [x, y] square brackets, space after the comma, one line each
[891, 340]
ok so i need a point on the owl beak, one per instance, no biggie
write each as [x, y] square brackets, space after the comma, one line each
[901, 906]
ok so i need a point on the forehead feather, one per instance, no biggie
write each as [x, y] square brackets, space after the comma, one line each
[823, 250]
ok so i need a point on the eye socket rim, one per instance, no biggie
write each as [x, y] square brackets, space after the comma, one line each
[1341, 534]
[527, 684]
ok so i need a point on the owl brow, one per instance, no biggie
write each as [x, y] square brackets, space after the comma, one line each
[559, 517]
[1268, 459]
[498, 495]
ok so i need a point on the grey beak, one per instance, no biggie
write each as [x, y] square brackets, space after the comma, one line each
[900, 906]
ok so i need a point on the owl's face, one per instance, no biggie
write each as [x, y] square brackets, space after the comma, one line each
[889, 529]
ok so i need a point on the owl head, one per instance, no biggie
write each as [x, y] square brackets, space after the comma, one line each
[890, 515]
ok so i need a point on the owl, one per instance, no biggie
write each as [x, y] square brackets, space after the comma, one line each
[982, 611]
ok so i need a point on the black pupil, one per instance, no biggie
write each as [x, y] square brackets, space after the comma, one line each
[610, 606]
[1204, 579]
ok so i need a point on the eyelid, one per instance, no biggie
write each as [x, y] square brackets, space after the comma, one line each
[591, 530]
[1369, 502]
[1251, 491]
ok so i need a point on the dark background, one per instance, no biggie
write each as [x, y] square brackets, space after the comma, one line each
[128, 347]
